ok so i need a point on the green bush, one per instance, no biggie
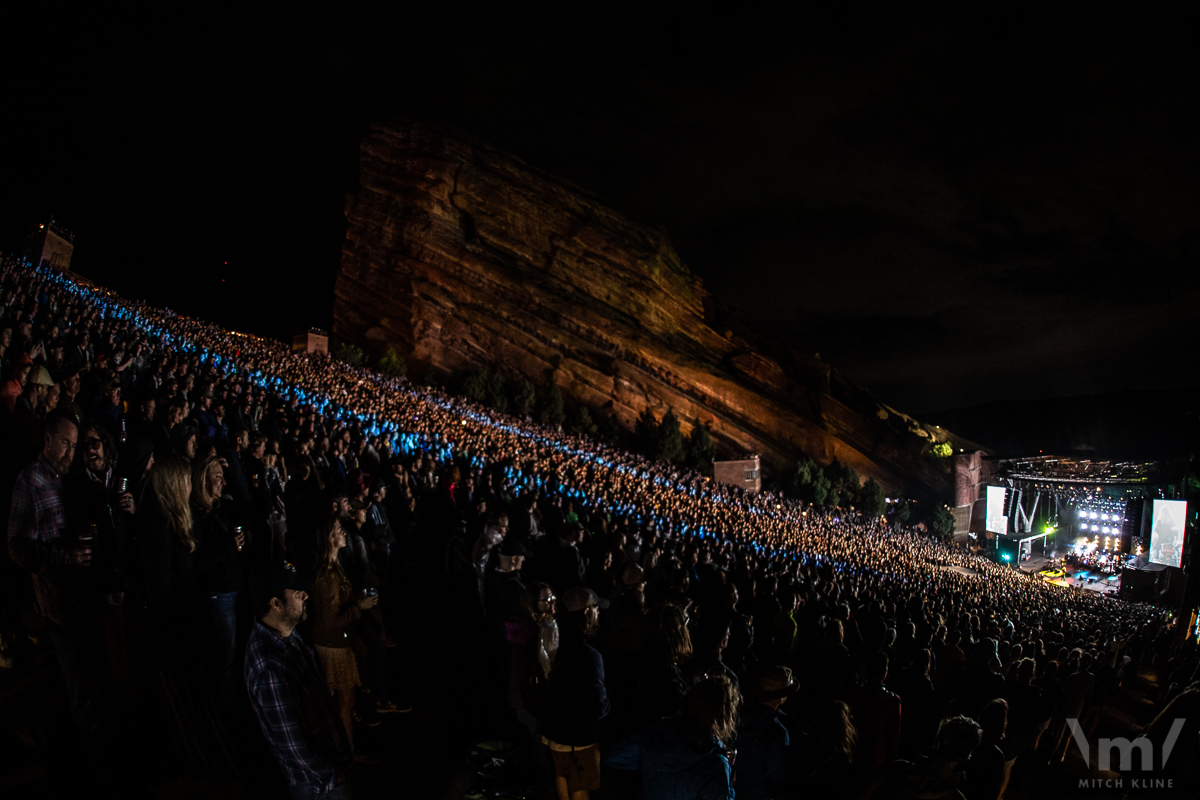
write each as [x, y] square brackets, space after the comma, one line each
[870, 499]
[474, 385]
[350, 354]
[524, 399]
[553, 410]
[668, 444]
[497, 391]
[609, 430]
[700, 449]
[941, 523]
[581, 422]
[392, 364]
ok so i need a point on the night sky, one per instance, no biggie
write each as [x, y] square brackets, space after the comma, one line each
[949, 214]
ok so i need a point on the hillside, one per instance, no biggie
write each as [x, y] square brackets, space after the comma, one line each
[461, 256]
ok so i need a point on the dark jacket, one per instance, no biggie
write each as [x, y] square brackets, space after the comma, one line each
[216, 561]
[577, 699]
[172, 606]
[762, 743]
[671, 768]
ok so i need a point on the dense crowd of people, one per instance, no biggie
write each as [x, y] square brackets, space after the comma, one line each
[209, 523]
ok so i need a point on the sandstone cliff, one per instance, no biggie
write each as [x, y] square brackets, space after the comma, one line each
[462, 256]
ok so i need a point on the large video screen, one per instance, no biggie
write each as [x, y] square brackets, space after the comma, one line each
[995, 520]
[1166, 532]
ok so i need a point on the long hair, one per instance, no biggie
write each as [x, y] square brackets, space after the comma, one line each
[669, 637]
[710, 710]
[831, 725]
[170, 480]
[326, 553]
[200, 469]
[529, 603]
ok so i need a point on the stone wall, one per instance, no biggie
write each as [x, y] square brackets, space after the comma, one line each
[461, 256]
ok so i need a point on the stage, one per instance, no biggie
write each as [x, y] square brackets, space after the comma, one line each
[1070, 576]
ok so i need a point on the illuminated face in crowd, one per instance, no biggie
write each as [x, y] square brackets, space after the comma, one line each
[59, 448]
[94, 457]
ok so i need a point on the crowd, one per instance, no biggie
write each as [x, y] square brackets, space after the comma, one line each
[210, 525]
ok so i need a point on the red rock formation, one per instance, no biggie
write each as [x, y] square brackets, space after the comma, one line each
[461, 256]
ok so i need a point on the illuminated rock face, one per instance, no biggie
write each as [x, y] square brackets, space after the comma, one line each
[460, 256]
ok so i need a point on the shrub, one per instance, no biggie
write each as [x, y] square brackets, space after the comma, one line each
[392, 364]
[350, 354]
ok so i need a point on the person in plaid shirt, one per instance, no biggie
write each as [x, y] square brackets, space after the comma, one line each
[288, 693]
[38, 541]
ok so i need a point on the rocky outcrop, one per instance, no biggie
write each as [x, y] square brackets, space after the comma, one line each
[461, 256]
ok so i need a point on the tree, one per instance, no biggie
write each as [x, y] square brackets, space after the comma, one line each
[350, 354]
[844, 480]
[800, 481]
[609, 430]
[581, 422]
[524, 399]
[871, 500]
[497, 391]
[941, 522]
[475, 385]
[943, 450]
[820, 489]
[669, 442]
[553, 410]
[700, 448]
[392, 364]
[645, 432]
[903, 511]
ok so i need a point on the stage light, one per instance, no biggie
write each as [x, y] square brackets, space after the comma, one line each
[1083, 513]
[1084, 526]
[1092, 515]
[1104, 516]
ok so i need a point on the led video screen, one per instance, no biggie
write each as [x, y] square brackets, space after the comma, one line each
[995, 520]
[1166, 532]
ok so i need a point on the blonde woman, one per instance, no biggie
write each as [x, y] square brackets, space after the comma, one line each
[334, 607]
[173, 619]
[217, 559]
[168, 544]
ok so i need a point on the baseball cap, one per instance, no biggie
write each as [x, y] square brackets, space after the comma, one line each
[271, 578]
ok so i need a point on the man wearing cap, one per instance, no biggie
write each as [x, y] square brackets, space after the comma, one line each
[207, 423]
[762, 739]
[577, 699]
[504, 588]
[107, 408]
[288, 693]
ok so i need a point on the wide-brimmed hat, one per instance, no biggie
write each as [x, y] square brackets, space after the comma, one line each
[40, 376]
[512, 546]
[580, 597]
[772, 683]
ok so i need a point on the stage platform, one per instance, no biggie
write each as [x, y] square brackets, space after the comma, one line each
[1071, 577]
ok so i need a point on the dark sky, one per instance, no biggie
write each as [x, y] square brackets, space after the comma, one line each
[951, 214]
